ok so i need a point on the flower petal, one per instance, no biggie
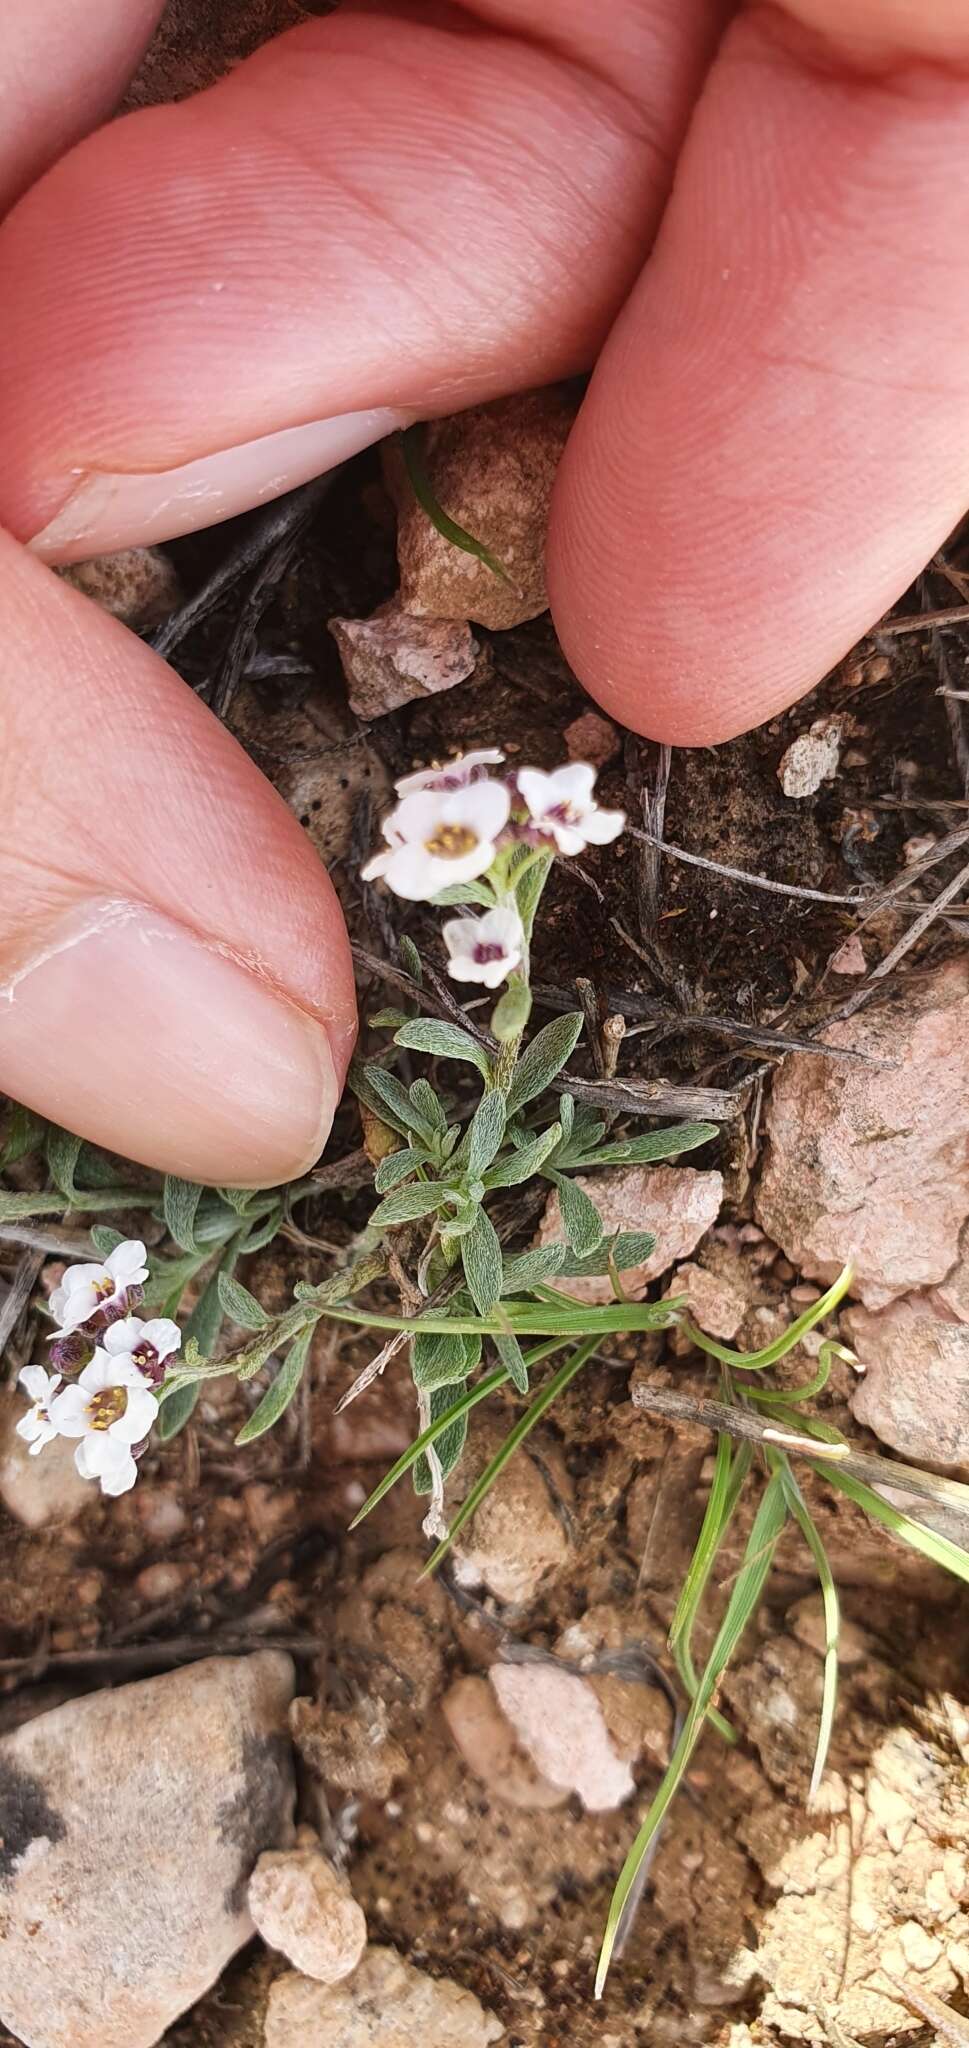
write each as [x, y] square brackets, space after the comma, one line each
[537, 789]
[36, 1382]
[128, 1263]
[137, 1419]
[376, 867]
[121, 1337]
[99, 1373]
[573, 784]
[599, 827]
[69, 1412]
[162, 1334]
[482, 806]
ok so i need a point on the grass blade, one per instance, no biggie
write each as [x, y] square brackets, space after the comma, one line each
[832, 1619]
[730, 1473]
[515, 1438]
[758, 1556]
[940, 1549]
[758, 1361]
[412, 448]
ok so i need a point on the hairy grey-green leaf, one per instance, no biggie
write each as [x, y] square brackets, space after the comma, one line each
[359, 1080]
[544, 1058]
[428, 1105]
[525, 1270]
[104, 1238]
[463, 892]
[410, 959]
[437, 1361]
[240, 1305]
[628, 1248]
[443, 1042]
[180, 1200]
[408, 1205]
[63, 1152]
[581, 1220]
[528, 1160]
[262, 1232]
[510, 1352]
[25, 1131]
[203, 1325]
[448, 1446]
[653, 1145]
[392, 1096]
[481, 1258]
[277, 1398]
[511, 1012]
[485, 1133]
[397, 1167]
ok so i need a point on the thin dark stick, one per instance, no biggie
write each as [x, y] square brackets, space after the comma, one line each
[632, 1003]
[652, 798]
[906, 942]
[271, 526]
[916, 622]
[715, 867]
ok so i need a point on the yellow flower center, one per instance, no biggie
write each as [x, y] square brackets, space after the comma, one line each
[106, 1407]
[104, 1287]
[450, 842]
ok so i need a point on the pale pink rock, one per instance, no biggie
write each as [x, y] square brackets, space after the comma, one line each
[811, 759]
[305, 1909]
[385, 2004]
[870, 1162]
[560, 1723]
[915, 1390]
[592, 738]
[678, 1204]
[487, 1742]
[850, 958]
[716, 1306]
[491, 469]
[392, 658]
[130, 1821]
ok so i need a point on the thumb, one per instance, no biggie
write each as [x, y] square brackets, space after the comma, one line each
[175, 979]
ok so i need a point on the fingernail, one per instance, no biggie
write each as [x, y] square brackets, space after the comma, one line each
[106, 511]
[150, 1041]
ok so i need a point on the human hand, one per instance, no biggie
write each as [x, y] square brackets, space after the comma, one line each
[394, 215]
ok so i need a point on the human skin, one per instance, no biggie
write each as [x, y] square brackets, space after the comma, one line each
[749, 219]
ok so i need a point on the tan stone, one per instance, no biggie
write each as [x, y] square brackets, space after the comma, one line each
[716, 1306]
[491, 470]
[487, 1742]
[129, 1825]
[392, 658]
[515, 1540]
[38, 1491]
[869, 1162]
[304, 1908]
[678, 1204]
[385, 2004]
[914, 1392]
[139, 586]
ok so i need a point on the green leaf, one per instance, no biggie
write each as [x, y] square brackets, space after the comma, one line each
[359, 1078]
[581, 1220]
[627, 1248]
[928, 1542]
[481, 1258]
[464, 892]
[261, 1233]
[511, 1012]
[485, 1133]
[393, 1097]
[239, 1199]
[524, 1270]
[427, 1104]
[410, 959]
[204, 1325]
[25, 1132]
[398, 1166]
[513, 1359]
[241, 1306]
[798, 1507]
[437, 1361]
[655, 1145]
[178, 1410]
[168, 1279]
[747, 1589]
[180, 1200]
[448, 1444]
[412, 448]
[443, 1042]
[729, 1477]
[544, 1058]
[526, 1162]
[104, 1238]
[528, 891]
[409, 1204]
[567, 1116]
[277, 1398]
[63, 1152]
[388, 1020]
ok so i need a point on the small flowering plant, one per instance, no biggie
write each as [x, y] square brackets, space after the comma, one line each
[110, 1366]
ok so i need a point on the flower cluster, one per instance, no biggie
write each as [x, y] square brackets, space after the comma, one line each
[458, 826]
[108, 1364]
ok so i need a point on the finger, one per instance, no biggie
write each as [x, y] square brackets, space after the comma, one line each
[775, 437]
[63, 65]
[175, 981]
[216, 279]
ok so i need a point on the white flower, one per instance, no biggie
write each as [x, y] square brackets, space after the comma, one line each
[36, 1427]
[85, 1289]
[453, 774]
[563, 806]
[146, 1344]
[438, 837]
[110, 1408]
[484, 948]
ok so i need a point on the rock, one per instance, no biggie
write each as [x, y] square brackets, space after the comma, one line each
[805, 1619]
[41, 1491]
[850, 958]
[393, 657]
[304, 1908]
[491, 470]
[716, 1306]
[560, 1723]
[129, 1825]
[386, 2004]
[591, 738]
[811, 759]
[516, 1538]
[139, 586]
[352, 1749]
[915, 1389]
[875, 1891]
[868, 1162]
[679, 1204]
[487, 1743]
